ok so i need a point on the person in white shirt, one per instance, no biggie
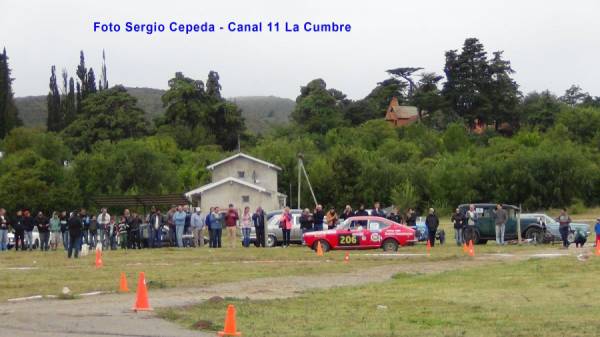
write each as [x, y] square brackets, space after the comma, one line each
[103, 220]
[197, 225]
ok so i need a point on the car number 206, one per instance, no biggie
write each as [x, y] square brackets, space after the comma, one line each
[348, 240]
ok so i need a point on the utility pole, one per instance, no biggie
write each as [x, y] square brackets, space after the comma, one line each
[302, 169]
[300, 155]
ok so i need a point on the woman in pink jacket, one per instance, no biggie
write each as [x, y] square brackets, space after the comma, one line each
[286, 226]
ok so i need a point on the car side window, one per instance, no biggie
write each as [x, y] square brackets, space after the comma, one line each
[375, 225]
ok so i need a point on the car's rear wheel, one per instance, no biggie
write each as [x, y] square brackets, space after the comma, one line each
[535, 234]
[390, 245]
[471, 234]
[271, 241]
[324, 245]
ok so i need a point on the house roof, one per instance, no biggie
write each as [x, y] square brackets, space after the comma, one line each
[231, 180]
[397, 111]
[243, 155]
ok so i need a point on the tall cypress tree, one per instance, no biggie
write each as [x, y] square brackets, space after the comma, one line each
[91, 85]
[103, 83]
[82, 75]
[55, 120]
[9, 114]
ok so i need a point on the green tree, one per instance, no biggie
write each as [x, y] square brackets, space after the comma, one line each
[9, 114]
[427, 96]
[55, 116]
[467, 78]
[406, 73]
[574, 96]
[316, 108]
[108, 115]
[540, 109]
[91, 85]
[503, 92]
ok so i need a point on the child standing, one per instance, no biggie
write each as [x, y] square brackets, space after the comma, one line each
[123, 229]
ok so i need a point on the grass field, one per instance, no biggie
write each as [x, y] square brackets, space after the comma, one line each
[45, 273]
[539, 297]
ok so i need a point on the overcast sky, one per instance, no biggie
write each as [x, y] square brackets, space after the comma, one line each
[551, 44]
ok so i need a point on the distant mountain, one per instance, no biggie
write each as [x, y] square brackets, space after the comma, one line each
[260, 112]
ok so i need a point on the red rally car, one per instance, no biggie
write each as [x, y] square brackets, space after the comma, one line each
[362, 232]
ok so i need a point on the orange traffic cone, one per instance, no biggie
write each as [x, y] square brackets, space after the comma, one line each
[465, 248]
[141, 301]
[428, 246]
[598, 248]
[229, 329]
[471, 248]
[99, 263]
[123, 284]
[319, 249]
[347, 257]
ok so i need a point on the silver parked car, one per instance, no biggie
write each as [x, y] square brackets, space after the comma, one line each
[552, 225]
[273, 234]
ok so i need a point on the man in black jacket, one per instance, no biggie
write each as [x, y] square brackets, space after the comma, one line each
[458, 220]
[43, 226]
[19, 229]
[75, 229]
[432, 222]
[259, 226]
[28, 224]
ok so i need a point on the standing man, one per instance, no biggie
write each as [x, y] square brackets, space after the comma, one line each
[64, 229]
[103, 223]
[377, 211]
[19, 229]
[458, 220]
[500, 219]
[318, 217]
[44, 230]
[134, 232]
[28, 223]
[231, 219]
[432, 222]
[564, 225]
[197, 224]
[155, 229]
[75, 228]
[179, 220]
[3, 230]
[85, 220]
[411, 218]
[259, 226]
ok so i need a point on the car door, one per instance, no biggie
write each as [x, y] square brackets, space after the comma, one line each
[485, 223]
[510, 230]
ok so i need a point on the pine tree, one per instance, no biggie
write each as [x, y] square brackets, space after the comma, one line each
[213, 88]
[9, 114]
[55, 120]
[91, 78]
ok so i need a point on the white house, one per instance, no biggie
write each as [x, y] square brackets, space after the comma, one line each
[241, 180]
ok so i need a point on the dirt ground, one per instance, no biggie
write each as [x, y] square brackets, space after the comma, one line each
[111, 314]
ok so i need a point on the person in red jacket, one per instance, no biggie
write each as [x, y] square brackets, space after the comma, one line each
[286, 226]
[231, 219]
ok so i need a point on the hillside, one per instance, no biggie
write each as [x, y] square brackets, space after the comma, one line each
[260, 112]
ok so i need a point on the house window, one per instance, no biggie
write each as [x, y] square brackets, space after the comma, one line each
[240, 174]
[245, 198]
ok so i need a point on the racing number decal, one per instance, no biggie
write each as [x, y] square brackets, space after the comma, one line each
[348, 240]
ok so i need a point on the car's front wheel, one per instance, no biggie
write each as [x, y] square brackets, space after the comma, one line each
[535, 234]
[390, 245]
